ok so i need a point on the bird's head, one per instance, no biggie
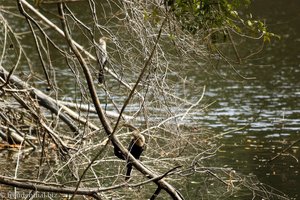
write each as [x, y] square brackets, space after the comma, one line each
[102, 42]
[139, 138]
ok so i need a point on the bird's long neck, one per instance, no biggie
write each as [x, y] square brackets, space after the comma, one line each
[139, 139]
[102, 44]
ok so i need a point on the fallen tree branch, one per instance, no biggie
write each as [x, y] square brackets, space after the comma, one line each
[105, 122]
[48, 102]
[89, 108]
[47, 188]
[16, 134]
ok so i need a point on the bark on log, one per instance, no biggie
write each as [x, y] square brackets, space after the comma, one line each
[48, 102]
[47, 188]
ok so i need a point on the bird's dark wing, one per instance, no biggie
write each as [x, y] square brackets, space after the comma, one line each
[102, 60]
[136, 151]
[101, 71]
[118, 152]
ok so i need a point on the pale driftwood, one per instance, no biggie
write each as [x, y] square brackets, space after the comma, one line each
[75, 116]
[14, 133]
[14, 136]
[56, 139]
[11, 137]
[54, 106]
[90, 108]
[42, 98]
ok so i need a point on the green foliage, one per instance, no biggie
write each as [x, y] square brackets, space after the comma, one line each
[216, 17]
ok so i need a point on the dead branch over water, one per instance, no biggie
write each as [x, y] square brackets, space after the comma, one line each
[79, 146]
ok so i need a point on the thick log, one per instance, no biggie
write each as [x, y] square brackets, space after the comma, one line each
[48, 102]
[35, 186]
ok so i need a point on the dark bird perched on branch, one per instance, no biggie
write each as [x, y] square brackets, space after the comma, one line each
[102, 58]
[136, 147]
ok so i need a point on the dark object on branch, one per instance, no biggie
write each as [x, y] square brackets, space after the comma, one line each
[136, 147]
[102, 58]
[118, 152]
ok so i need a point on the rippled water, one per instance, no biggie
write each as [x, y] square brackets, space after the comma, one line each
[265, 109]
[268, 105]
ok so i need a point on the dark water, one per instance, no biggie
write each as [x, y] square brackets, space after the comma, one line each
[266, 106]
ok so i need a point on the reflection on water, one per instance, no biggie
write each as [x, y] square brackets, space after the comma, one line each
[268, 105]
